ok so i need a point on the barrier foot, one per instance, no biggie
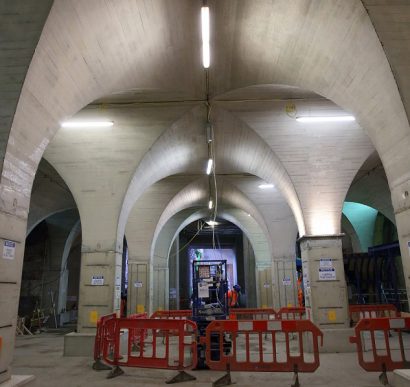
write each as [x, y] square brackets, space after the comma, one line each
[116, 371]
[295, 380]
[100, 366]
[180, 377]
[383, 379]
[224, 380]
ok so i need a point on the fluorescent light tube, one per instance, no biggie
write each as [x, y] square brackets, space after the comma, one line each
[212, 223]
[209, 167]
[210, 204]
[326, 119]
[205, 36]
[87, 124]
[266, 186]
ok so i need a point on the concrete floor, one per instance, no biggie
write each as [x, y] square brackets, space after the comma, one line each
[41, 356]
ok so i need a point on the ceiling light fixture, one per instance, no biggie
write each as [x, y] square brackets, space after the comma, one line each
[212, 223]
[205, 37]
[309, 119]
[210, 204]
[266, 186]
[209, 167]
[86, 124]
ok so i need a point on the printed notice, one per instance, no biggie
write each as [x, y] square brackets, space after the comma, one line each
[326, 263]
[97, 280]
[9, 249]
[203, 290]
[286, 281]
[138, 284]
[327, 274]
[266, 285]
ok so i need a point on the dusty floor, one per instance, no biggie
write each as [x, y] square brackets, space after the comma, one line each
[41, 355]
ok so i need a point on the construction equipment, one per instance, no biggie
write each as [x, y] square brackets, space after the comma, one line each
[209, 301]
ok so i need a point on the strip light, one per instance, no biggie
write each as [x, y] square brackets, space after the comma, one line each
[87, 124]
[326, 119]
[266, 186]
[205, 37]
[209, 167]
[210, 204]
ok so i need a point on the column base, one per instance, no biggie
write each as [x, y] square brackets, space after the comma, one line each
[401, 378]
[18, 380]
[79, 344]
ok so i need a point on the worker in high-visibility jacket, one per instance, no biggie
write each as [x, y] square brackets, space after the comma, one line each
[301, 298]
[233, 296]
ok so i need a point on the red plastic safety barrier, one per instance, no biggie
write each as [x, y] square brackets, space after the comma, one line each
[381, 344]
[240, 346]
[358, 312]
[291, 313]
[136, 335]
[252, 314]
[101, 333]
[159, 345]
[172, 314]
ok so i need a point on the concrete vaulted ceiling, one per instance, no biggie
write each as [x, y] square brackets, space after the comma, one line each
[93, 51]
[196, 195]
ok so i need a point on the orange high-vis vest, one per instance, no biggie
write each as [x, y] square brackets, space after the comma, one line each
[232, 298]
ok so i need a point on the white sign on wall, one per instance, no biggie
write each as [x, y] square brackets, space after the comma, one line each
[9, 249]
[97, 280]
[266, 285]
[138, 284]
[286, 281]
[326, 263]
[327, 274]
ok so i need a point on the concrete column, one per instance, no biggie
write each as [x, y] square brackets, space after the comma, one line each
[403, 231]
[160, 288]
[264, 280]
[100, 285]
[249, 266]
[12, 229]
[284, 282]
[326, 299]
[401, 205]
[325, 290]
[138, 283]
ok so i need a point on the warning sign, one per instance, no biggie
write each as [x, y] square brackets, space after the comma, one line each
[286, 281]
[97, 280]
[9, 249]
[326, 263]
[327, 274]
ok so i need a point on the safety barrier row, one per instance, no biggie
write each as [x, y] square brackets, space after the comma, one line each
[182, 314]
[357, 312]
[240, 346]
[285, 313]
[164, 344]
[291, 313]
[252, 314]
[383, 344]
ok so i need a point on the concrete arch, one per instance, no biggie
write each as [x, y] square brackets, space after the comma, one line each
[181, 149]
[178, 221]
[196, 195]
[35, 222]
